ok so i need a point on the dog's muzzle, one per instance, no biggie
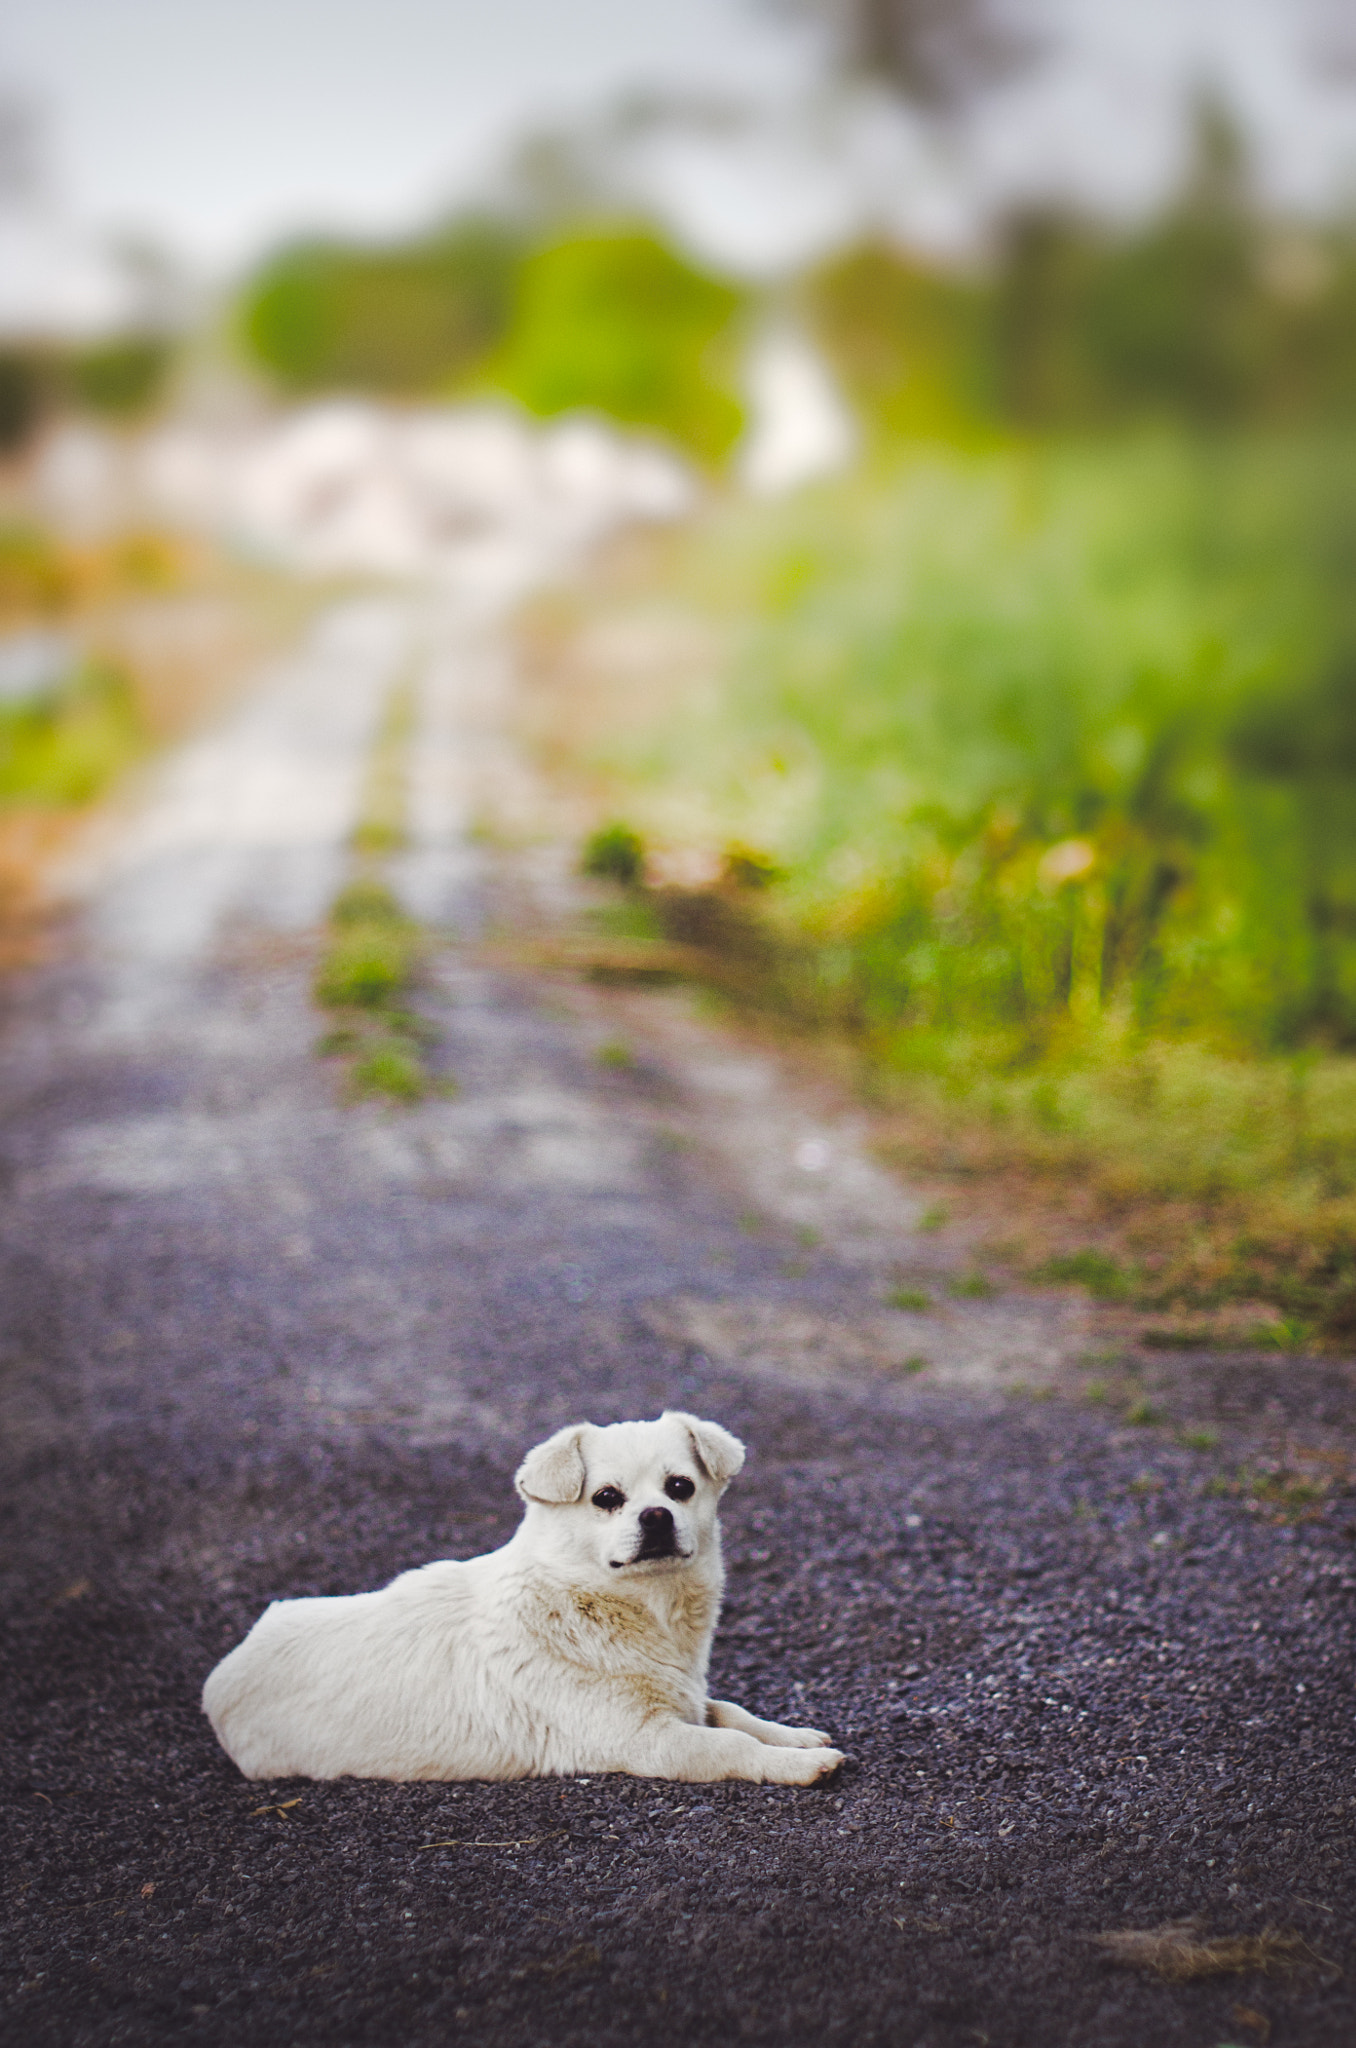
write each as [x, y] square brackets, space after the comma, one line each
[658, 1537]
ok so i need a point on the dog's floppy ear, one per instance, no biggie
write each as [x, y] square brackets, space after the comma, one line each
[554, 1471]
[720, 1454]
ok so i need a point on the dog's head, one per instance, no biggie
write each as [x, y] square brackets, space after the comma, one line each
[633, 1499]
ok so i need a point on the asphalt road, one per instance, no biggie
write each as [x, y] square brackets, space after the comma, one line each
[253, 1342]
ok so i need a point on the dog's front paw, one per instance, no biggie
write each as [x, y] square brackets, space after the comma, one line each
[805, 1738]
[801, 1766]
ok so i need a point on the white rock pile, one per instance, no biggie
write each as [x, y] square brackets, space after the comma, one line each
[472, 495]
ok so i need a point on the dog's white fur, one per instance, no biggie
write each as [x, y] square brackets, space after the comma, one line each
[568, 1650]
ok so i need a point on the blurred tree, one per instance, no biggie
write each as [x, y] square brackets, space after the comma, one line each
[122, 378]
[1049, 258]
[1176, 317]
[911, 343]
[936, 54]
[26, 394]
[1210, 313]
[614, 320]
[404, 318]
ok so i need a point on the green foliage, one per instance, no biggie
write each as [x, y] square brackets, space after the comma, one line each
[744, 867]
[26, 391]
[375, 950]
[1048, 739]
[367, 902]
[120, 378]
[67, 748]
[1104, 1277]
[366, 967]
[614, 853]
[367, 972]
[123, 378]
[1055, 749]
[389, 1069]
[1210, 313]
[913, 345]
[972, 1287]
[915, 1299]
[614, 321]
[402, 318]
[373, 954]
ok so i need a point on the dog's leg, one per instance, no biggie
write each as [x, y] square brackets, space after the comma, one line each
[722, 1714]
[699, 1756]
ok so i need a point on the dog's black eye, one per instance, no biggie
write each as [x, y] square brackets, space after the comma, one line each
[679, 1488]
[609, 1499]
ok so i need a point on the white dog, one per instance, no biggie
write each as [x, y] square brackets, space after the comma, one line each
[582, 1645]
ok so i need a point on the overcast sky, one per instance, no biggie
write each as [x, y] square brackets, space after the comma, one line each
[219, 124]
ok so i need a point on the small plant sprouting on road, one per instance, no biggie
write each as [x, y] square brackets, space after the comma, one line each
[972, 1287]
[616, 1055]
[365, 980]
[1282, 1495]
[914, 1299]
[1104, 1277]
[370, 968]
[373, 953]
[381, 820]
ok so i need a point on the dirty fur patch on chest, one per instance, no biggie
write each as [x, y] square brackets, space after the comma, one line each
[607, 1635]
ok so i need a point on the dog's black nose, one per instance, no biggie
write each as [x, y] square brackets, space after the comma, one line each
[656, 1521]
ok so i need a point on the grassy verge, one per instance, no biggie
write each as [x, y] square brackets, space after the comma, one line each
[64, 749]
[167, 631]
[368, 976]
[1030, 776]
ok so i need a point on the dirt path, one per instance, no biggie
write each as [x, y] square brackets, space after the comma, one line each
[253, 1342]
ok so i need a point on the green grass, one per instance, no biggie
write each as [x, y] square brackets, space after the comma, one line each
[66, 750]
[390, 1070]
[914, 1299]
[1017, 733]
[614, 853]
[1104, 1277]
[369, 963]
[972, 1287]
[1049, 757]
[372, 961]
[381, 822]
[365, 978]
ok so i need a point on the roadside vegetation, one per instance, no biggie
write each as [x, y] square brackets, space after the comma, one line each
[1022, 763]
[1031, 772]
[108, 649]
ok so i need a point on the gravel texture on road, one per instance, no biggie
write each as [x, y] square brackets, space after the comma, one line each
[254, 1343]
